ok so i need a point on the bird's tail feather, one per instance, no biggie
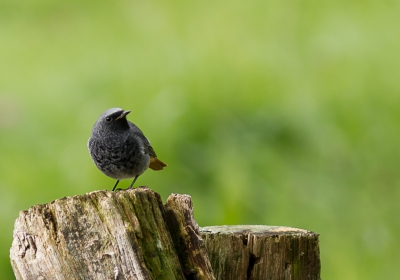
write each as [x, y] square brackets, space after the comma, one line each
[156, 164]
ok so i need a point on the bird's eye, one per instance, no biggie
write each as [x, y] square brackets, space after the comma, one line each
[108, 119]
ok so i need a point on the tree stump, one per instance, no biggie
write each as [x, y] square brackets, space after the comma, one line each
[132, 235]
[100, 235]
[262, 252]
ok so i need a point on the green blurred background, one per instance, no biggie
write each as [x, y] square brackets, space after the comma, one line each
[267, 112]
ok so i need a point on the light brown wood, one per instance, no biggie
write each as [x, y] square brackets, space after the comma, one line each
[262, 252]
[100, 235]
[132, 235]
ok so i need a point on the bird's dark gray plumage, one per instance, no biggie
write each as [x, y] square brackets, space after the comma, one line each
[119, 148]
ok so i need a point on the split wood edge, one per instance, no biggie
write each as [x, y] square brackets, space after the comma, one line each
[132, 235]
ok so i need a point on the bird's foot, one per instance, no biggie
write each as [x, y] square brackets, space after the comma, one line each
[121, 189]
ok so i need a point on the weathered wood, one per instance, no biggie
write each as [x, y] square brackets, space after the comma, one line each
[188, 242]
[132, 235]
[100, 235]
[262, 252]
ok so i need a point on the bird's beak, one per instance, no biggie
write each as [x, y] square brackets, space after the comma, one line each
[123, 115]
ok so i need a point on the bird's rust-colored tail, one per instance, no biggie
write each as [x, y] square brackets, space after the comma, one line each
[156, 164]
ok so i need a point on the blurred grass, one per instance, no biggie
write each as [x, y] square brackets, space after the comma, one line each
[266, 112]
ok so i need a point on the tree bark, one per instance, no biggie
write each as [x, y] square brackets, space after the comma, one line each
[262, 252]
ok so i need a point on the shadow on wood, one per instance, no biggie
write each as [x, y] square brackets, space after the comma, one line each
[132, 235]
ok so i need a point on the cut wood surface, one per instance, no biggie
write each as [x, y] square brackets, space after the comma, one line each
[130, 234]
[262, 252]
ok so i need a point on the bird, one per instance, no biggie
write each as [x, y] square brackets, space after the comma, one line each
[119, 148]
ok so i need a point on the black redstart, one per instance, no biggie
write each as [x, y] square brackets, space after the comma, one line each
[119, 148]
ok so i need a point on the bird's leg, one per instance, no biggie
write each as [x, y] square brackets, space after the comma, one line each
[115, 185]
[134, 180]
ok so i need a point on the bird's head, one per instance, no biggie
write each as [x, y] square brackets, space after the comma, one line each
[112, 120]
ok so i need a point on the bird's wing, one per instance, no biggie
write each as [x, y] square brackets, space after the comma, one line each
[150, 149]
[147, 145]
[155, 163]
